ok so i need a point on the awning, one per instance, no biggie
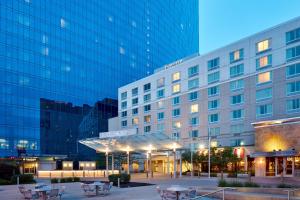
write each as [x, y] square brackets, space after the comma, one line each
[130, 140]
[274, 154]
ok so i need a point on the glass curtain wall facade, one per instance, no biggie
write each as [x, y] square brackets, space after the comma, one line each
[80, 52]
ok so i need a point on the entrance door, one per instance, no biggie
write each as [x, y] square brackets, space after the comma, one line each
[289, 166]
[279, 166]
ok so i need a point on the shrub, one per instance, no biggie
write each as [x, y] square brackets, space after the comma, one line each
[283, 185]
[23, 179]
[232, 175]
[76, 179]
[124, 178]
[235, 184]
[69, 179]
[54, 180]
[251, 184]
[222, 183]
[4, 182]
[63, 180]
[213, 174]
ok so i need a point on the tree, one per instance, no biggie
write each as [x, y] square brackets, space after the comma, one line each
[221, 157]
[197, 158]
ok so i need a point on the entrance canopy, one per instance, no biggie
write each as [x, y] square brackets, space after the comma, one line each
[130, 140]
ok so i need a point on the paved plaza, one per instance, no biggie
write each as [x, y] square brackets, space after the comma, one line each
[74, 191]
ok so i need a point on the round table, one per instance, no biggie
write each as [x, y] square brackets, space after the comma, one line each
[97, 185]
[43, 191]
[177, 189]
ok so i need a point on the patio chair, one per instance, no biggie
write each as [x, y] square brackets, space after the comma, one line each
[22, 189]
[168, 195]
[188, 195]
[62, 191]
[53, 194]
[88, 190]
[159, 191]
[105, 189]
[29, 195]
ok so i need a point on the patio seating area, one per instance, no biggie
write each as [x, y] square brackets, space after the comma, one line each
[96, 188]
[41, 191]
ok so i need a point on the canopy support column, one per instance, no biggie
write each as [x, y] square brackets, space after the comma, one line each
[180, 165]
[192, 169]
[106, 171]
[112, 163]
[168, 163]
[150, 164]
[128, 164]
[174, 165]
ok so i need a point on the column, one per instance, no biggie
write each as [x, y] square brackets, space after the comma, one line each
[276, 166]
[106, 171]
[112, 163]
[180, 165]
[147, 164]
[293, 167]
[168, 163]
[174, 165]
[128, 164]
[150, 165]
[192, 169]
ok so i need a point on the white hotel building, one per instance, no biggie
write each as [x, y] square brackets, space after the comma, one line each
[241, 95]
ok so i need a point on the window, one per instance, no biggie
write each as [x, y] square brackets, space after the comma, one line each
[135, 101]
[237, 128]
[236, 70]
[124, 105]
[194, 133]
[264, 77]
[147, 129]
[147, 87]
[176, 88]
[264, 110]
[194, 108]
[176, 125]
[134, 91]
[160, 82]
[161, 128]
[213, 118]
[194, 121]
[123, 95]
[293, 53]
[214, 104]
[236, 55]
[175, 135]
[193, 83]
[147, 118]
[213, 64]
[193, 96]
[237, 114]
[192, 71]
[237, 99]
[124, 114]
[147, 108]
[160, 116]
[237, 142]
[176, 76]
[292, 36]
[263, 46]
[213, 77]
[215, 131]
[160, 93]
[176, 112]
[263, 94]
[135, 121]
[263, 62]
[293, 88]
[237, 85]
[160, 104]
[176, 100]
[147, 98]
[124, 123]
[213, 91]
[293, 105]
[135, 111]
[293, 70]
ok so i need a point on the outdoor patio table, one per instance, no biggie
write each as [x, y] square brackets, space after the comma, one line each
[97, 185]
[43, 191]
[177, 189]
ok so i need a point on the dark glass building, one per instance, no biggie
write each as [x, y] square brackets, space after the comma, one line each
[81, 51]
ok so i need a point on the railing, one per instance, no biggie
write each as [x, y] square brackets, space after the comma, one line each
[291, 191]
[210, 193]
[74, 173]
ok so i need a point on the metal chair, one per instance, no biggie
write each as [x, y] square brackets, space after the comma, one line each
[88, 190]
[62, 191]
[188, 195]
[21, 189]
[53, 194]
[168, 195]
[29, 195]
[159, 191]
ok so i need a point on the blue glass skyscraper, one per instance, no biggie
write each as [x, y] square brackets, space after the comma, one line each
[81, 51]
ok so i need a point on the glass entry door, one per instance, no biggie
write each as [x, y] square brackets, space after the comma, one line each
[289, 166]
[279, 166]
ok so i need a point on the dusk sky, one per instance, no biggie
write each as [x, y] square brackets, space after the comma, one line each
[225, 21]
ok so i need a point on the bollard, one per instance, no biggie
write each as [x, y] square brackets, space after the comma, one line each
[18, 180]
[118, 182]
